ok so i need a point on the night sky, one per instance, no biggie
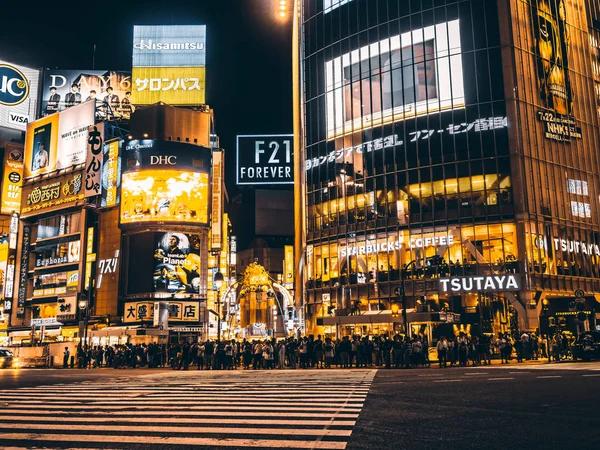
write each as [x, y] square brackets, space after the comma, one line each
[248, 52]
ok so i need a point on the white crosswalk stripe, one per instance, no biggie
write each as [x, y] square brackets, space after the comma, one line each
[264, 409]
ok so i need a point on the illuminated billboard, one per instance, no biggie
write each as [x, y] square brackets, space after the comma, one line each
[170, 85]
[176, 263]
[110, 91]
[169, 46]
[12, 178]
[58, 141]
[111, 173]
[412, 70]
[265, 159]
[18, 95]
[169, 64]
[163, 195]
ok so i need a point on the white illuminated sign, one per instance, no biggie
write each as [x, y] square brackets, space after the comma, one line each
[444, 64]
[477, 126]
[480, 283]
[391, 245]
[330, 5]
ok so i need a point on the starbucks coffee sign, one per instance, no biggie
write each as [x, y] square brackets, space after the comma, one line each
[488, 283]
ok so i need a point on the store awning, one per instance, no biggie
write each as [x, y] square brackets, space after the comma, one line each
[385, 316]
[115, 331]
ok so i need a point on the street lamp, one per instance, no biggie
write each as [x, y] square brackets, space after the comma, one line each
[218, 283]
[83, 304]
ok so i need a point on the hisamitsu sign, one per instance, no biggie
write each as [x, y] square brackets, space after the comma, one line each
[265, 159]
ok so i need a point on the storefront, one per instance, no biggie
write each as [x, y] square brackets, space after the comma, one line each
[422, 180]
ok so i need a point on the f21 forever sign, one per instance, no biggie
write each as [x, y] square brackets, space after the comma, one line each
[265, 159]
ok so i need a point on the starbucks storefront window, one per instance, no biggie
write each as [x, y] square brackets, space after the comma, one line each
[454, 251]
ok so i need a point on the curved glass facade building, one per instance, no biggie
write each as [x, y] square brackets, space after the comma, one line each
[450, 153]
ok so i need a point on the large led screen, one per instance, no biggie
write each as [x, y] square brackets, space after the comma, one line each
[160, 196]
[418, 72]
[176, 263]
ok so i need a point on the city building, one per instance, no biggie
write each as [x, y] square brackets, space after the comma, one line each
[449, 164]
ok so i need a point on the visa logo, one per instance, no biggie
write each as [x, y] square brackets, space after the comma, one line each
[18, 119]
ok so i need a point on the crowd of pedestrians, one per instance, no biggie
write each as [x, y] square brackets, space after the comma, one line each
[310, 352]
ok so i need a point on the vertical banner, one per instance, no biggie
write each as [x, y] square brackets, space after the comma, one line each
[110, 174]
[217, 201]
[13, 231]
[90, 257]
[26, 241]
[289, 264]
[12, 179]
[93, 164]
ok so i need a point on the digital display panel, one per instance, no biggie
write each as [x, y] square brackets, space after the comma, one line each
[176, 263]
[162, 196]
[412, 70]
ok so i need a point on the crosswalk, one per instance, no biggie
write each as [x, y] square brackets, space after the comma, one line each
[314, 409]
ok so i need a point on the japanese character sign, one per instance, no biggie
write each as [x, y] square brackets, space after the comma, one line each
[93, 165]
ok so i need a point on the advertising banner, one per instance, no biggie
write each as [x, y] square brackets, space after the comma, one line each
[216, 240]
[265, 159]
[93, 163]
[12, 178]
[164, 195]
[110, 92]
[59, 192]
[73, 127]
[18, 95]
[171, 85]
[58, 141]
[157, 153]
[169, 64]
[111, 173]
[169, 46]
[24, 266]
[289, 264]
[552, 45]
[3, 264]
[176, 263]
[178, 311]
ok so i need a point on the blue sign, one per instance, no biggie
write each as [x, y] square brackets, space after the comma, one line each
[169, 46]
[14, 87]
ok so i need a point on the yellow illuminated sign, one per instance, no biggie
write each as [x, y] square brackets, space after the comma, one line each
[289, 264]
[164, 196]
[112, 164]
[12, 179]
[171, 85]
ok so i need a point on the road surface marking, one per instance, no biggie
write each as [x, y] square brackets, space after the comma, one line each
[503, 378]
[550, 376]
[447, 381]
[188, 414]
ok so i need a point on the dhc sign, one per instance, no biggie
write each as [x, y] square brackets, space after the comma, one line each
[487, 283]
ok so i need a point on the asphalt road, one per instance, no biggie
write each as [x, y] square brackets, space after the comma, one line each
[528, 406]
[498, 407]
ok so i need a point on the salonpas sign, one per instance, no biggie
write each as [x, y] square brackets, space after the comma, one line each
[489, 283]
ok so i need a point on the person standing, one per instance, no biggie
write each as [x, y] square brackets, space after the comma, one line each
[66, 355]
[442, 348]
[281, 355]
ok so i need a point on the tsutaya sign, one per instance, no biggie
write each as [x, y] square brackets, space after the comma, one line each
[568, 245]
[488, 283]
[365, 248]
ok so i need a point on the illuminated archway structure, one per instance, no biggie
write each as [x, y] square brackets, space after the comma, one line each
[259, 306]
